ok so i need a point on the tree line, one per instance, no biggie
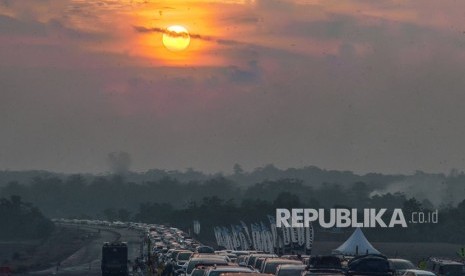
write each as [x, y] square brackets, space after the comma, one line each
[221, 201]
[107, 196]
[22, 220]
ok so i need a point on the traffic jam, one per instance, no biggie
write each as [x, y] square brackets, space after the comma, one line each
[169, 251]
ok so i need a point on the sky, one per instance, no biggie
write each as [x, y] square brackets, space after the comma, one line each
[367, 86]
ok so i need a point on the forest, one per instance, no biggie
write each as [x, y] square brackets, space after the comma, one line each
[227, 199]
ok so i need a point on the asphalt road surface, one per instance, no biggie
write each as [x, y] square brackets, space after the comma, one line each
[86, 261]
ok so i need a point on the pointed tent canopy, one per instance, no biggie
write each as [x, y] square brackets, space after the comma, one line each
[356, 244]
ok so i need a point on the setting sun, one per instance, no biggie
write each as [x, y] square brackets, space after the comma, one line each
[176, 38]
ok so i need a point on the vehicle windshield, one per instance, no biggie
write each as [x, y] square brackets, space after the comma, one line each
[401, 264]
[198, 272]
[194, 263]
[270, 268]
[452, 270]
[374, 265]
[325, 262]
[218, 272]
[184, 256]
[259, 263]
[110, 254]
[251, 260]
[290, 272]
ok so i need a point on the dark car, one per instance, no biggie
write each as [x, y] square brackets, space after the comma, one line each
[445, 267]
[324, 265]
[372, 264]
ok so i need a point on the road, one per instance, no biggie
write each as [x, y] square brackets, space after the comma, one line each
[86, 261]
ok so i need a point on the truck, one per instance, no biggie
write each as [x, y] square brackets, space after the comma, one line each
[115, 259]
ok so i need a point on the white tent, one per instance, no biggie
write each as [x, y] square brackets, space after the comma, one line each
[356, 244]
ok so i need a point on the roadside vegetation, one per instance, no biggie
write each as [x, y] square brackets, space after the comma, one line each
[22, 220]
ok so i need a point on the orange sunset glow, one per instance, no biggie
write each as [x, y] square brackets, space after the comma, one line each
[120, 19]
[185, 80]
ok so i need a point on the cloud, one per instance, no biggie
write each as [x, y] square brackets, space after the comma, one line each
[319, 85]
[53, 28]
[12, 26]
[141, 29]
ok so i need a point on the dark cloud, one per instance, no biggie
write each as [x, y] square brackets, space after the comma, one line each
[141, 29]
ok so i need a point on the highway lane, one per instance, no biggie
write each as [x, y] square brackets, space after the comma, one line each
[86, 261]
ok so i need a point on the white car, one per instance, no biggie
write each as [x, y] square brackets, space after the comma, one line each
[290, 270]
[218, 270]
[418, 272]
[206, 261]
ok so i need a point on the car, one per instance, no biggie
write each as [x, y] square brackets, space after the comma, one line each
[371, 264]
[211, 256]
[295, 257]
[271, 264]
[245, 274]
[290, 270]
[401, 265]
[204, 249]
[324, 262]
[240, 253]
[217, 270]
[253, 257]
[259, 263]
[417, 272]
[231, 256]
[204, 261]
[242, 260]
[199, 271]
[182, 257]
[329, 272]
[443, 267]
